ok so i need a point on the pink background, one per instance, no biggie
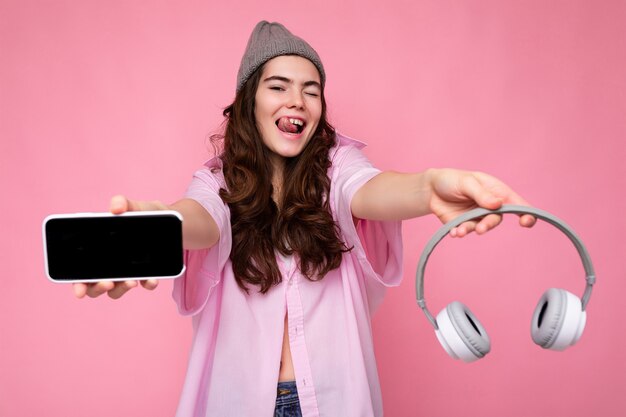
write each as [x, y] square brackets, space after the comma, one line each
[106, 97]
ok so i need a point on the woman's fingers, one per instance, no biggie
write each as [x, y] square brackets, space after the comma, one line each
[119, 204]
[115, 290]
[480, 226]
[527, 220]
[149, 284]
[80, 289]
[479, 193]
[121, 288]
[99, 288]
[487, 223]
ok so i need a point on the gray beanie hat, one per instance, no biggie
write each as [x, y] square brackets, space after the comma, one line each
[269, 40]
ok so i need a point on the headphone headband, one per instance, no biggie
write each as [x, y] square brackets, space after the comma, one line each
[480, 212]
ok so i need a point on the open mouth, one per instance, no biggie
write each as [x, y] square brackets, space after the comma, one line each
[290, 125]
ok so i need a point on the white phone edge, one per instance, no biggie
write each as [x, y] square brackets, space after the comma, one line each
[103, 214]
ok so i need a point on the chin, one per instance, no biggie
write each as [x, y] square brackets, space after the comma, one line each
[289, 150]
[289, 153]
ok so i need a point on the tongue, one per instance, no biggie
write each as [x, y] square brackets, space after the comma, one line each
[286, 126]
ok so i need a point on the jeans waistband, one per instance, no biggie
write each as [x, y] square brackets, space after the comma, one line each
[287, 393]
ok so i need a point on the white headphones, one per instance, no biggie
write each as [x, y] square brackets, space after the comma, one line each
[559, 318]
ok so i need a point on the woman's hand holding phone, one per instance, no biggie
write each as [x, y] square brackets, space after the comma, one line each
[120, 204]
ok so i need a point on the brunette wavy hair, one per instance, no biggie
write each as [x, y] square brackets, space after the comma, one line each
[303, 224]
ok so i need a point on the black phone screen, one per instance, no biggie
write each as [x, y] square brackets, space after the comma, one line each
[95, 248]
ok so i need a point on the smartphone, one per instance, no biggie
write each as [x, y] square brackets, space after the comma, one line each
[87, 247]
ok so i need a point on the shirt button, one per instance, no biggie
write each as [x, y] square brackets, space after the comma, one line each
[290, 281]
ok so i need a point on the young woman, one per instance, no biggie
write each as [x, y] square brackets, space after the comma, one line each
[292, 237]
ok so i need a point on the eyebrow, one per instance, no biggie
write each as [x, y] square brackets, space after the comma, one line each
[290, 81]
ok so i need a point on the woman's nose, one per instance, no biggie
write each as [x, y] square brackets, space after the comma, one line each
[296, 100]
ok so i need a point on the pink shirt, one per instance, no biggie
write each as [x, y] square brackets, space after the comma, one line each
[236, 351]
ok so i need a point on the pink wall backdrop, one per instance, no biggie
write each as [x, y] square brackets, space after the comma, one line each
[99, 98]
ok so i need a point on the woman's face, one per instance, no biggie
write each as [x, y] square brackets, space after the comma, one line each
[288, 105]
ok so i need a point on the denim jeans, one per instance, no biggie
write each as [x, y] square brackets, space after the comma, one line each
[287, 403]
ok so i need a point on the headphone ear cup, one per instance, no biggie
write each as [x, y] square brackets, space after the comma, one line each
[558, 320]
[461, 334]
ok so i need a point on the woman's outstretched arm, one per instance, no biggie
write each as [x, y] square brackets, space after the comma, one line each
[447, 193]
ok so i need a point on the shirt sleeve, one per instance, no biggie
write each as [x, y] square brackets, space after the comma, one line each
[377, 244]
[204, 268]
